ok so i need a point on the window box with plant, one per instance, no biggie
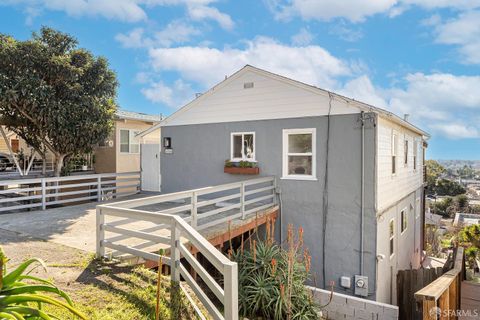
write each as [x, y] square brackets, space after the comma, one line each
[242, 154]
[241, 167]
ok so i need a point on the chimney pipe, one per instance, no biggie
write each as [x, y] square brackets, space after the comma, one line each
[406, 116]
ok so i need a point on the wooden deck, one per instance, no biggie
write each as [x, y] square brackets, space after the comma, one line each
[470, 303]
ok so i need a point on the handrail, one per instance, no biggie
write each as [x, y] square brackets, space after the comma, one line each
[45, 192]
[254, 198]
[444, 293]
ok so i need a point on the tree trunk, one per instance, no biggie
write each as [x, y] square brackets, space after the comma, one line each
[59, 164]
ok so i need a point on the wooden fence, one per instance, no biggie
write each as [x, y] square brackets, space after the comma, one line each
[409, 282]
[41, 193]
[441, 299]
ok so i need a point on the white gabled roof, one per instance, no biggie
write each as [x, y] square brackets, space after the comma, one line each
[305, 100]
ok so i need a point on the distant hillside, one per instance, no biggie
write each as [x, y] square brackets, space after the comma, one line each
[455, 164]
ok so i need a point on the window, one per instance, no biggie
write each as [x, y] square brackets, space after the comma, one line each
[394, 153]
[391, 227]
[242, 146]
[128, 141]
[404, 217]
[299, 154]
[405, 151]
[415, 154]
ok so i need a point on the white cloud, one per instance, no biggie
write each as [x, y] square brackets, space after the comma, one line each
[344, 32]
[463, 31]
[207, 66]
[302, 38]
[125, 10]
[357, 10]
[443, 104]
[173, 96]
[175, 32]
[205, 12]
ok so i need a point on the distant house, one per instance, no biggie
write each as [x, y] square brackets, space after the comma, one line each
[349, 173]
[466, 219]
[121, 151]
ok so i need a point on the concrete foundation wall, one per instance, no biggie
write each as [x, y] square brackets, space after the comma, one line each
[197, 160]
[348, 307]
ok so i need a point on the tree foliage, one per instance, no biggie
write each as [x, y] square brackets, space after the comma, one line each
[55, 95]
[434, 171]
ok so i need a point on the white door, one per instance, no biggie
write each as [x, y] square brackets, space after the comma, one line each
[150, 167]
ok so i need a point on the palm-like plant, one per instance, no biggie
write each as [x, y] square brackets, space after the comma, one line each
[22, 295]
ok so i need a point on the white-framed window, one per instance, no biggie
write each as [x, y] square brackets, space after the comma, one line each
[394, 153]
[405, 152]
[415, 154]
[404, 220]
[391, 231]
[299, 154]
[242, 146]
[129, 143]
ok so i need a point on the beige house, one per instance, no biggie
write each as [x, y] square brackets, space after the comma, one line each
[121, 152]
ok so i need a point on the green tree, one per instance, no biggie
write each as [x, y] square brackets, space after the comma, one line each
[445, 187]
[434, 171]
[55, 95]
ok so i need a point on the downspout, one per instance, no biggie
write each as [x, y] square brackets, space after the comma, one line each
[362, 205]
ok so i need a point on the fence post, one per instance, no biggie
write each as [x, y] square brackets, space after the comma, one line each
[174, 252]
[242, 199]
[99, 188]
[44, 194]
[230, 281]
[100, 233]
[194, 210]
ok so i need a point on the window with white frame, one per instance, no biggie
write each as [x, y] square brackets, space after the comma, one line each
[405, 151]
[415, 154]
[299, 154]
[404, 220]
[242, 146]
[391, 230]
[129, 143]
[394, 153]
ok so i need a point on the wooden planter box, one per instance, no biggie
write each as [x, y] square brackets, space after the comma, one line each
[237, 170]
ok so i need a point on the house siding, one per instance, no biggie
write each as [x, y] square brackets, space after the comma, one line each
[272, 97]
[393, 187]
[199, 152]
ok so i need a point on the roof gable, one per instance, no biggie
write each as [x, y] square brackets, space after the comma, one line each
[254, 94]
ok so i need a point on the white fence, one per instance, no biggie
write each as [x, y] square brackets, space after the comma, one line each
[40, 193]
[173, 221]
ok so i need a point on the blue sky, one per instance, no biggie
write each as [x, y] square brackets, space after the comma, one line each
[420, 57]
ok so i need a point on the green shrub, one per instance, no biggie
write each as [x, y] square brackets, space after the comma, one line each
[22, 295]
[272, 280]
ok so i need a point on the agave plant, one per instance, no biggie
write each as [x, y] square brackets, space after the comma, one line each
[22, 295]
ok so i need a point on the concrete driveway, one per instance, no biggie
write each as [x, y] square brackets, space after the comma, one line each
[72, 226]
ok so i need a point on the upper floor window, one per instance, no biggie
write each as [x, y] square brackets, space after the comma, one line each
[415, 154]
[391, 231]
[394, 153]
[299, 154]
[404, 221]
[129, 143]
[242, 146]
[405, 151]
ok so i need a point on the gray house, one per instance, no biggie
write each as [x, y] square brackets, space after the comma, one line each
[349, 173]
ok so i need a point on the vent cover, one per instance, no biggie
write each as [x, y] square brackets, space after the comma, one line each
[248, 85]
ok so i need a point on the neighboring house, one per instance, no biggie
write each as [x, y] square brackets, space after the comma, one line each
[466, 219]
[121, 152]
[349, 173]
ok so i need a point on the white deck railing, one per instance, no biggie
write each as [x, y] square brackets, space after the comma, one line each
[121, 225]
[40, 193]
